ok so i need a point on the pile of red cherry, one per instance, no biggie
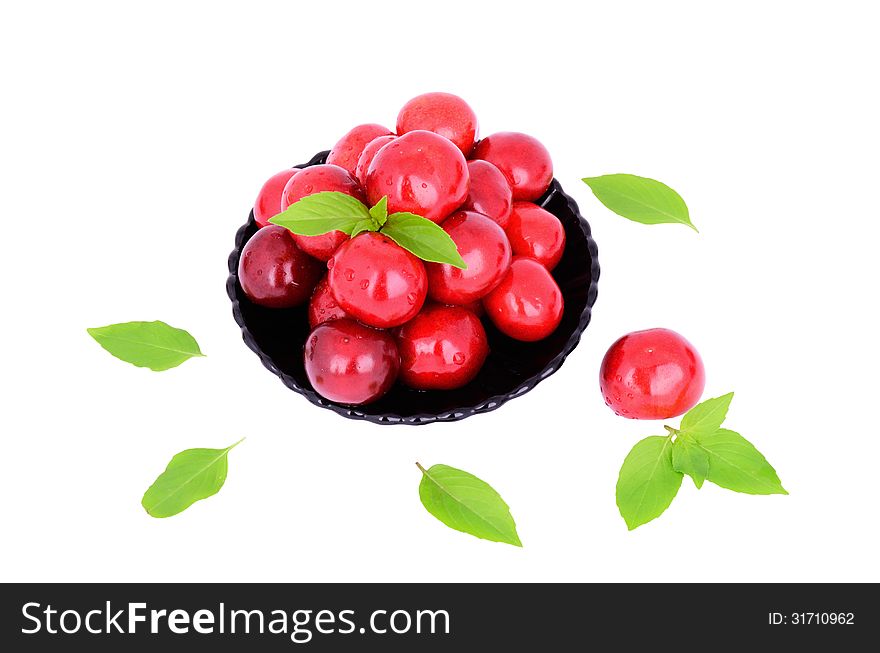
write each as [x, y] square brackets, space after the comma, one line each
[381, 314]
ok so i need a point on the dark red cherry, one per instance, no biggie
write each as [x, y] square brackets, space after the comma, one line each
[350, 363]
[274, 272]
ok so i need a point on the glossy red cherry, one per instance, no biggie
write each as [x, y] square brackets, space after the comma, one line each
[323, 306]
[350, 363]
[421, 173]
[652, 374]
[268, 203]
[367, 156]
[315, 179]
[274, 272]
[489, 192]
[486, 251]
[527, 304]
[348, 149]
[536, 233]
[444, 114]
[376, 281]
[441, 348]
[523, 160]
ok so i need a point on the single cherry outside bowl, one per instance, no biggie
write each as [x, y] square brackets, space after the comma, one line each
[513, 368]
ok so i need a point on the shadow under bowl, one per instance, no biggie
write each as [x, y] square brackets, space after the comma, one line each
[512, 368]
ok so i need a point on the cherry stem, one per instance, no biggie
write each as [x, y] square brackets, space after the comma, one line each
[671, 430]
[419, 465]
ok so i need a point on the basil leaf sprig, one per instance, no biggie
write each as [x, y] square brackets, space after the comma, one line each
[466, 503]
[653, 470]
[640, 199]
[321, 213]
[192, 475]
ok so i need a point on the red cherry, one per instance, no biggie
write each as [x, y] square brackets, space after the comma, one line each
[536, 233]
[268, 203]
[376, 281]
[523, 160]
[348, 148]
[421, 173]
[316, 179]
[367, 156]
[323, 306]
[486, 252]
[489, 192]
[350, 363]
[441, 113]
[652, 374]
[527, 304]
[274, 272]
[441, 348]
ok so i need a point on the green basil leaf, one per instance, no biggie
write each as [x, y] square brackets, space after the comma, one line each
[191, 475]
[735, 464]
[155, 345]
[707, 416]
[321, 213]
[640, 199]
[691, 459]
[647, 483]
[467, 504]
[379, 213]
[424, 238]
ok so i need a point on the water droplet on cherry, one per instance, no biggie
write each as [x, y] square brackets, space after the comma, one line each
[349, 275]
[458, 358]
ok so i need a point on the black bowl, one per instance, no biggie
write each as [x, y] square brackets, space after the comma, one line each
[512, 368]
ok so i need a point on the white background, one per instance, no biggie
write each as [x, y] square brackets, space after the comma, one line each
[135, 137]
